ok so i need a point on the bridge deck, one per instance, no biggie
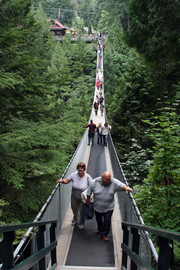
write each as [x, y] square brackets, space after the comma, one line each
[84, 249]
[87, 248]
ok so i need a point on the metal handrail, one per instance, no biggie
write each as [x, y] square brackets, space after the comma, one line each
[138, 214]
[13, 227]
[132, 249]
[169, 234]
[6, 251]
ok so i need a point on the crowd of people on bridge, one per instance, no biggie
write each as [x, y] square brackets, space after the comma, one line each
[103, 187]
[98, 104]
[101, 130]
[102, 133]
[100, 46]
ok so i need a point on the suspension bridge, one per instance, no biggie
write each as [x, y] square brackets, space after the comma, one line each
[56, 244]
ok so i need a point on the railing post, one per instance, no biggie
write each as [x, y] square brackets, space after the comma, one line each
[125, 241]
[40, 245]
[164, 253]
[52, 239]
[135, 245]
[7, 250]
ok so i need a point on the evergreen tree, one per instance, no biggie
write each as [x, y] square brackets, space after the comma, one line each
[39, 107]
[103, 22]
[154, 33]
[21, 56]
[134, 85]
[62, 11]
[132, 101]
[154, 29]
[160, 192]
[89, 12]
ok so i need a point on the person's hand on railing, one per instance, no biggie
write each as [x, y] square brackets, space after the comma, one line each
[59, 181]
[126, 188]
[63, 181]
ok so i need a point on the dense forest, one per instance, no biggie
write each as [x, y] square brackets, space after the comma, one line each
[47, 89]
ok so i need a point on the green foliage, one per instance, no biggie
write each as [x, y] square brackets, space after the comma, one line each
[133, 85]
[154, 28]
[82, 58]
[44, 86]
[90, 29]
[2, 204]
[117, 11]
[136, 163]
[103, 22]
[24, 60]
[133, 97]
[89, 12]
[54, 8]
[158, 198]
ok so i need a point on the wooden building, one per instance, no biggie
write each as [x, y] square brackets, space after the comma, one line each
[58, 29]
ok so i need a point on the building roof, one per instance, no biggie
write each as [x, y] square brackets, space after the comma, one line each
[56, 25]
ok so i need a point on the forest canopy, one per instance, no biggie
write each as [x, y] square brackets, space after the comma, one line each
[44, 86]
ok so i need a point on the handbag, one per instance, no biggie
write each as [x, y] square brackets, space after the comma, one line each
[87, 212]
[84, 193]
[84, 196]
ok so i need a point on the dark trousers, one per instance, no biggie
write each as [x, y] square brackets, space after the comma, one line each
[105, 137]
[99, 140]
[91, 138]
[104, 222]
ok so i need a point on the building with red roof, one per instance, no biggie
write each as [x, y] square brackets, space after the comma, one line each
[58, 29]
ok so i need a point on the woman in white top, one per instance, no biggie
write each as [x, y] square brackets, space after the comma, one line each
[80, 182]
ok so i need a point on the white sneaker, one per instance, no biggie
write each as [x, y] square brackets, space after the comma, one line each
[81, 227]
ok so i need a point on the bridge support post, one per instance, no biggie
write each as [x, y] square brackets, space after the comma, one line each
[40, 245]
[6, 250]
[52, 239]
[125, 241]
[164, 253]
[135, 245]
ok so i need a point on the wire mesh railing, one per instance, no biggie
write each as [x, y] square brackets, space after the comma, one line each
[57, 203]
[128, 208]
